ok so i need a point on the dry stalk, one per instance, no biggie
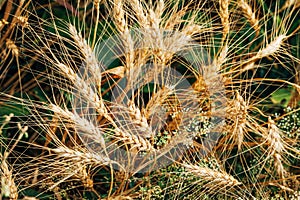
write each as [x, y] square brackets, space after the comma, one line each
[210, 175]
[250, 15]
[29, 198]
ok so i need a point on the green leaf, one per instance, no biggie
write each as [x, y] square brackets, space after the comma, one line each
[282, 96]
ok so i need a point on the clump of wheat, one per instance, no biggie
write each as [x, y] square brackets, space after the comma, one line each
[109, 118]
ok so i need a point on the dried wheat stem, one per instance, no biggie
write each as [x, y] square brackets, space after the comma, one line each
[216, 177]
[224, 15]
[250, 15]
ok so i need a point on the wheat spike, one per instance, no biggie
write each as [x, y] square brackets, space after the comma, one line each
[213, 176]
[137, 142]
[77, 156]
[238, 108]
[250, 15]
[8, 186]
[276, 146]
[271, 48]
[81, 124]
[224, 15]
[83, 175]
[89, 55]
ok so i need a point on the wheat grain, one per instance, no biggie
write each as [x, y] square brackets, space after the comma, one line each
[3, 22]
[13, 47]
[137, 142]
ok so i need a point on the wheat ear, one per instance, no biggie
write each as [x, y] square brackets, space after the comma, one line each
[8, 186]
[224, 15]
[276, 146]
[207, 174]
[81, 124]
[250, 15]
